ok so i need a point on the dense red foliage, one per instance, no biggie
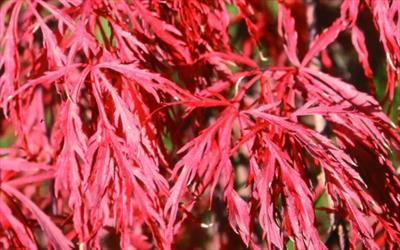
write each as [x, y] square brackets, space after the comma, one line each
[178, 123]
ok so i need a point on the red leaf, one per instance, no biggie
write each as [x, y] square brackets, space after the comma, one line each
[54, 234]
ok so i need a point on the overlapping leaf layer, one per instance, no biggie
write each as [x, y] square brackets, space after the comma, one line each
[194, 123]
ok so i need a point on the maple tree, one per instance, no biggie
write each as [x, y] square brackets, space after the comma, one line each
[194, 123]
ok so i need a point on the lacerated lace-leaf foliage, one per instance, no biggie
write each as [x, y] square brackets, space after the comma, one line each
[193, 123]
